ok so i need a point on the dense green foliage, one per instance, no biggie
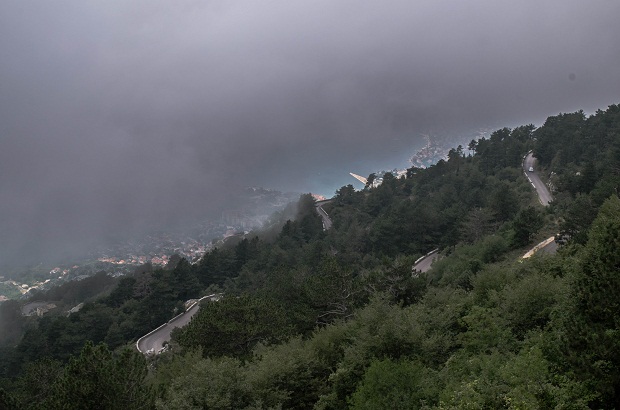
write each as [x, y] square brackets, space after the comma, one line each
[337, 319]
[96, 379]
[233, 325]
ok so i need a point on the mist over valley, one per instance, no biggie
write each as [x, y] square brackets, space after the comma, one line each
[116, 119]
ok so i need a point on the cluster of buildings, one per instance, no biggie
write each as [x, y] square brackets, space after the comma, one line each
[37, 308]
[131, 259]
[430, 154]
[154, 249]
[23, 288]
[253, 207]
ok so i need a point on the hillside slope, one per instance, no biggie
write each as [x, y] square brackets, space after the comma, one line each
[334, 319]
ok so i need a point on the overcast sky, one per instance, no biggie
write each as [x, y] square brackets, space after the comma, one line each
[118, 115]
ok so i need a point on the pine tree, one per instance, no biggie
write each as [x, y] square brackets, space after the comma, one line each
[100, 379]
[591, 321]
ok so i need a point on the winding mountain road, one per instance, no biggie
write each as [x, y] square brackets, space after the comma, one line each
[549, 246]
[424, 263]
[529, 162]
[153, 342]
[544, 196]
[327, 222]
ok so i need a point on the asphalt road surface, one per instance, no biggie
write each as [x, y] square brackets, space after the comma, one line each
[327, 222]
[425, 263]
[154, 341]
[544, 196]
[550, 248]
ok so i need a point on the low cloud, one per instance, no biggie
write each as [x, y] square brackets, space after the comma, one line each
[117, 117]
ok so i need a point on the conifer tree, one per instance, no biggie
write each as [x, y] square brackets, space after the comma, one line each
[100, 379]
[591, 321]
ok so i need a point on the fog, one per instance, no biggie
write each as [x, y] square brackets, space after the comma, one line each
[116, 117]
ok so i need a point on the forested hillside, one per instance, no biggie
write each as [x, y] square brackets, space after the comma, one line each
[337, 319]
